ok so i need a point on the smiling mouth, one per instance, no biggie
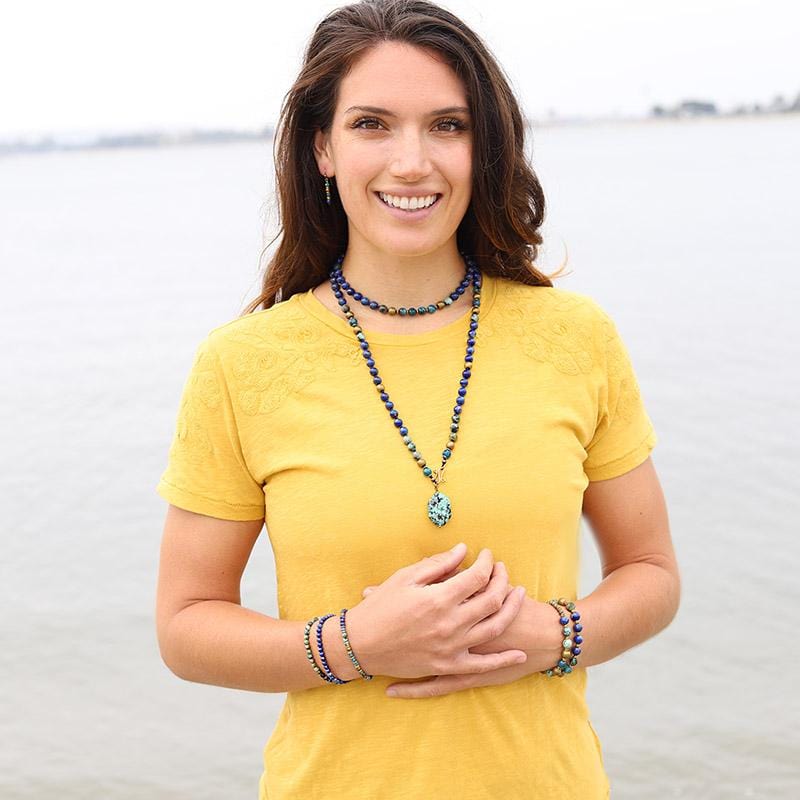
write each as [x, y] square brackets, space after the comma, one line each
[408, 210]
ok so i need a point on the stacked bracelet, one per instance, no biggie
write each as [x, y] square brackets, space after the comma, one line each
[571, 645]
[328, 675]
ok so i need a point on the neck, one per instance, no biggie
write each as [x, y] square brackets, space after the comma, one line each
[404, 280]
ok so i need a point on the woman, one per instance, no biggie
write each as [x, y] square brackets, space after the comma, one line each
[404, 186]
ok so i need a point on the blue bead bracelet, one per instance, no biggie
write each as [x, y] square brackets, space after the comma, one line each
[570, 644]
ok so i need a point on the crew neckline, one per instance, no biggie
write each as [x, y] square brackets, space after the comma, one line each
[316, 308]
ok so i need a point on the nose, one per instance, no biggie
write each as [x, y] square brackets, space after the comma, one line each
[410, 159]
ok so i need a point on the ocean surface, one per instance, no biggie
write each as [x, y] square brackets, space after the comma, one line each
[116, 263]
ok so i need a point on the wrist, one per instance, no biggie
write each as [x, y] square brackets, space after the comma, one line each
[544, 636]
[335, 652]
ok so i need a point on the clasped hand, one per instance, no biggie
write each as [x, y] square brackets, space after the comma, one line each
[452, 627]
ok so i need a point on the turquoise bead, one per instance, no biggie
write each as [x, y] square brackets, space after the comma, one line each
[427, 472]
[439, 509]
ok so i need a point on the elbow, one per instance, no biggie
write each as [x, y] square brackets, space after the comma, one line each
[166, 649]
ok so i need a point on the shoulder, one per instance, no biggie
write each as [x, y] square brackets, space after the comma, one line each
[550, 324]
[547, 302]
[276, 327]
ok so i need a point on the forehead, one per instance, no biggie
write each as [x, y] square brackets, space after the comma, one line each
[402, 78]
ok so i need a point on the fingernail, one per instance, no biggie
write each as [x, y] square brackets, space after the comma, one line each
[391, 692]
[453, 549]
[520, 590]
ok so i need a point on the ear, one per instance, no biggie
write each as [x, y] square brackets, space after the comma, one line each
[322, 153]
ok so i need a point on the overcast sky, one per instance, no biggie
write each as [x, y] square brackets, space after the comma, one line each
[87, 66]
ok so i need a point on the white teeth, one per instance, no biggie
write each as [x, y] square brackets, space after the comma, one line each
[408, 203]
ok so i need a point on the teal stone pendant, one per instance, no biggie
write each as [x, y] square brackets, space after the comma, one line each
[439, 509]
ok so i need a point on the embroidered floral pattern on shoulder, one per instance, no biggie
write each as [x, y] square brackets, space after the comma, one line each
[202, 393]
[621, 376]
[277, 357]
[548, 325]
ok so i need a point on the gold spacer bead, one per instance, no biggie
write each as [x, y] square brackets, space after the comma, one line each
[392, 311]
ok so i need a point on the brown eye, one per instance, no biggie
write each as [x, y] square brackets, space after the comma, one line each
[358, 123]
[457, 123]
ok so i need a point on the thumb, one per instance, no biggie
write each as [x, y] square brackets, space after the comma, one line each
[430, 568]
[368, 590]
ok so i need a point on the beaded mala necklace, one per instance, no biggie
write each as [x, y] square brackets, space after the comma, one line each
[439, 506]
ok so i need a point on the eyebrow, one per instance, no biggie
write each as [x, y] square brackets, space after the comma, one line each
[387, 113]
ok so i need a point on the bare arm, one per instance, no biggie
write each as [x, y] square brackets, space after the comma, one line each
[206, 636]
[640, 591]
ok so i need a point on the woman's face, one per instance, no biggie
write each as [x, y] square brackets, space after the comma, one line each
[401, 128]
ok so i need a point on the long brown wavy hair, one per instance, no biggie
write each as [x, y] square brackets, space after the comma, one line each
[506, 210]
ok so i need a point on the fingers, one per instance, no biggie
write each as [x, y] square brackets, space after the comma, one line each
[432, 568]
[494, 625]
[472, 663]
[488, 601]
[469, 581]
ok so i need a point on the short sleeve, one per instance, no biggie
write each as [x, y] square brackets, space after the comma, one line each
[206, 470]
[624, 435]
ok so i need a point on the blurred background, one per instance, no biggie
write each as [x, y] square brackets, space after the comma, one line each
[136, 195]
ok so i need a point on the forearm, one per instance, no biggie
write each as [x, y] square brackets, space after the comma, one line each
[221, 643]
[631, 604]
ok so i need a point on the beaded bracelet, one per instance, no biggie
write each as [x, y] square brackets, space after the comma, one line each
[571, 651]
[310, 655]
[328, 674]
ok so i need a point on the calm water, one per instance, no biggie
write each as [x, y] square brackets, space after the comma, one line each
[117, 263]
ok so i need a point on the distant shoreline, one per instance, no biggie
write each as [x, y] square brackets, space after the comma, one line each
[50, 143]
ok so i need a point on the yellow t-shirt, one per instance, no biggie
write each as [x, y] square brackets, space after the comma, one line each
[280, 413]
